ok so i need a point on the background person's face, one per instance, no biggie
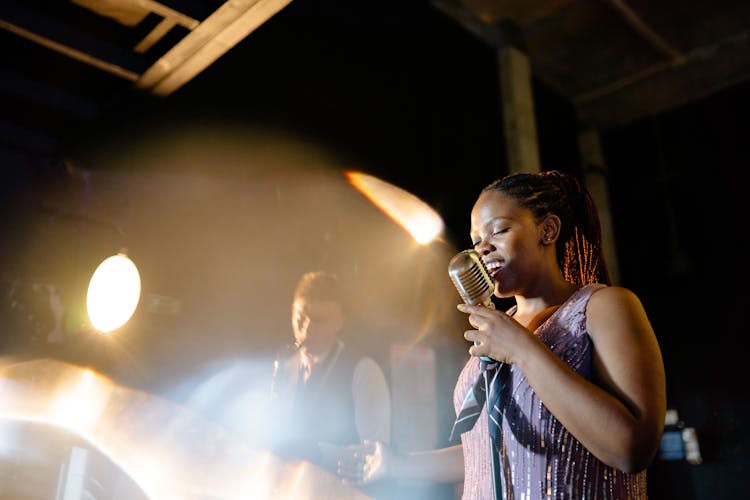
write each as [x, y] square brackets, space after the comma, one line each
[316, 323]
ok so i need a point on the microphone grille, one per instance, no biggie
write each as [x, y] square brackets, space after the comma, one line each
[471, 278]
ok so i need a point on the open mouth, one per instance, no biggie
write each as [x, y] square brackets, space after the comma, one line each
[493, 267]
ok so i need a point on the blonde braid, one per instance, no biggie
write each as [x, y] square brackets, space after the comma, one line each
[580, 260]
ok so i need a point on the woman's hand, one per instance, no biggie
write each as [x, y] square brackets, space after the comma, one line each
[364, 463]
[496, 335]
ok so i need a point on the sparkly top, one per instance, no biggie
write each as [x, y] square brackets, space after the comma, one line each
[539, 458]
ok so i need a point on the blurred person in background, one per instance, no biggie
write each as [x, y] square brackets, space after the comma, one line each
[326, 392]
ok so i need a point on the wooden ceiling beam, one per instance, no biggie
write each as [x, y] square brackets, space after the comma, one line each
[643, 29]
[167, 12]
[697, 74]
[156, 34]
[194, 9]
[218, 33]
[70, 42]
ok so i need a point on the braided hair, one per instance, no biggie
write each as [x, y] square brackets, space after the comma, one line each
[579, 246]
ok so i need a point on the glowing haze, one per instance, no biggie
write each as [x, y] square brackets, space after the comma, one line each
[223, 221]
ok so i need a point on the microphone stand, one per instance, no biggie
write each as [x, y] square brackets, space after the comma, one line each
[484, 360]
[496, 484]
[281, 354]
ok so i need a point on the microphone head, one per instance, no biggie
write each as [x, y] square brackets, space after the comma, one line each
[471, 278]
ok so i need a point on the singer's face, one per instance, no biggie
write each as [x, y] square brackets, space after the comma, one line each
[507, 237]
[316, 323]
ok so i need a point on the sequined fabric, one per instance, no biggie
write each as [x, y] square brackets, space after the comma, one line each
[539, 458]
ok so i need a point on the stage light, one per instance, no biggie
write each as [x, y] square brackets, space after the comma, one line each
[114, 292]
[414, 215]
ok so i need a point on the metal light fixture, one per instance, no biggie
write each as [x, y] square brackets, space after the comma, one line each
[113, 293]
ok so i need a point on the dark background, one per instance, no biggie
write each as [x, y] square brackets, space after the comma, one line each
[412, 98]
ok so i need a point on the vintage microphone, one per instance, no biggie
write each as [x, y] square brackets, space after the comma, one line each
[472, 280]
[476, 287]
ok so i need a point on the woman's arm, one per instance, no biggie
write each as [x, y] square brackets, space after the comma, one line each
[619, 416]
[442, 465]
[374, 460]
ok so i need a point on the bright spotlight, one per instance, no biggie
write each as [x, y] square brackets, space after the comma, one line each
[419, 219]
[114, 291]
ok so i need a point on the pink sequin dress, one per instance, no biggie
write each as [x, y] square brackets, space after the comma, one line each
[540, 459]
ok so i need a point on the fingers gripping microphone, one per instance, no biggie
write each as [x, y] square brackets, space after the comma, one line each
[471, 278]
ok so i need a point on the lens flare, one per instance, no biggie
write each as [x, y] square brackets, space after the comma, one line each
[165, 449]
[414, 215]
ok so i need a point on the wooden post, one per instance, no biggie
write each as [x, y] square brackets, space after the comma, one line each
[595, 178]
[519, 122]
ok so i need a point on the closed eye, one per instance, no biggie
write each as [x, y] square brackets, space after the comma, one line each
[498, 232]
[495, 232]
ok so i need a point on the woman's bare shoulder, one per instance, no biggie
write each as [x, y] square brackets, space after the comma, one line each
[614, 304]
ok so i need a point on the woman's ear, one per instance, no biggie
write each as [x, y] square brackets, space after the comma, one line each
[550, 229]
